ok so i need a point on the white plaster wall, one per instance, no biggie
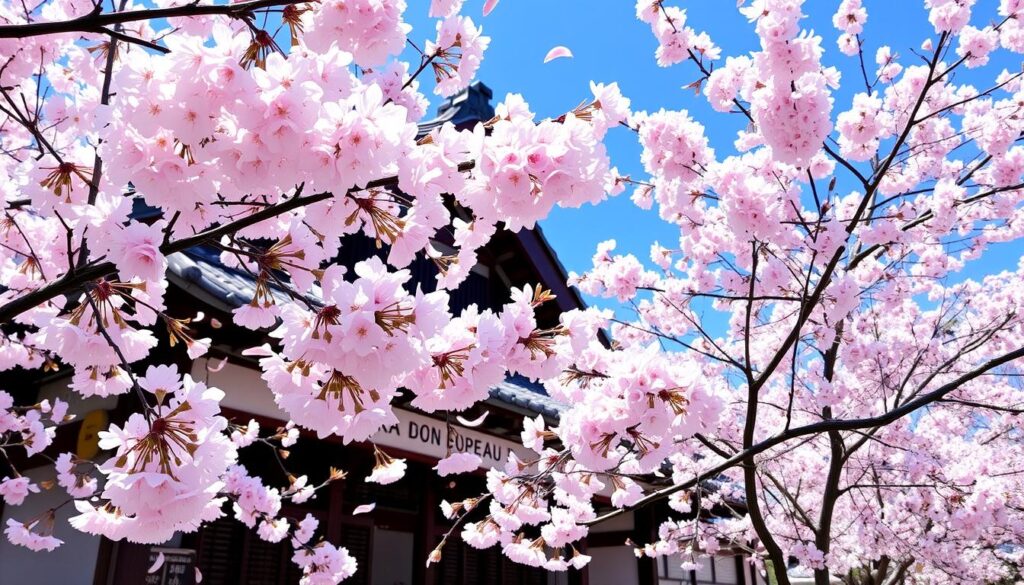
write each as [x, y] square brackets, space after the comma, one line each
[612, 565]
[243, 388]
[621, 523]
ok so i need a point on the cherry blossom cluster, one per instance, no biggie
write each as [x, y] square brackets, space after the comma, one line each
[464, 357]
[528, 167]
[676, 41]
[821, 354]
[165, 473]
[341, 364]
[833, 256]
[850, 19]
[31, 428]
[370, 30]
[171, 469]
[792, 108]
[457, 52]
[627, 413]
[209, 122]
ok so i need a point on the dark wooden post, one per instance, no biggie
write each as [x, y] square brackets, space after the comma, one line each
[644, 532]
[581, 577]
[105, 558]
[423, 540]
[334, 515]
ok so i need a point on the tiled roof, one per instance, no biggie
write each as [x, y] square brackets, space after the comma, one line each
[200, 272]
[524, 393]
[472, 104]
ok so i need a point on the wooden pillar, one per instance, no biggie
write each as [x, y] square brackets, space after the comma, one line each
[740, 576]
[334, 515]
[105, 558]
[581, 577]
[423, 540]
[644, 532]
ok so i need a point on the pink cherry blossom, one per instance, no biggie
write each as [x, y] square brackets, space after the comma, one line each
[444, 8]
[368, 29]
[558, 52]
[387, 469]
[14, 490]
[976, 44]
[458, 463]
[324, 563]
[136, 251]
[182, 462]
[850, 17]
[78, 485]
[24, 535]
[307, 526]
[459, 49]
[817, 333]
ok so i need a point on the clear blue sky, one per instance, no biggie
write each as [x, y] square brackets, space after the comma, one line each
[609, 44]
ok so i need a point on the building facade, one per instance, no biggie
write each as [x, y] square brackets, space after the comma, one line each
[392, 542]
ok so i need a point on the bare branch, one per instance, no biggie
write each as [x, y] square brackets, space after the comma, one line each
[96, 20]
[72, 281]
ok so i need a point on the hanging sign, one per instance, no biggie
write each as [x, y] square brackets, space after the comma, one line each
[427, 436]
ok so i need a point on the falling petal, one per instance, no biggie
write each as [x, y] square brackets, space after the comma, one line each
[199, 317]
[157, 564]
[364, 509]
[489, 6]
[211, 367]
[260, 351]
[199, 575]
[215, 324]
[475, 422]
[557, 52]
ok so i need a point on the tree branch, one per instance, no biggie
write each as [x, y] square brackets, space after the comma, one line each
[72, 281]
[94, 20]
[820, 428]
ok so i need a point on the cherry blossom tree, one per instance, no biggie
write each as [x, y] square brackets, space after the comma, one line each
[809, 347]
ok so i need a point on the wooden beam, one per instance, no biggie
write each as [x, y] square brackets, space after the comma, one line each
[645, 531]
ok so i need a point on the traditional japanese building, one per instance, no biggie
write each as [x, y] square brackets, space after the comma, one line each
[392, 542]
